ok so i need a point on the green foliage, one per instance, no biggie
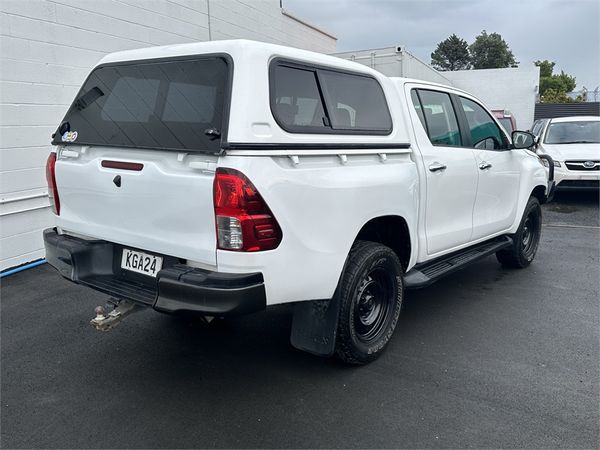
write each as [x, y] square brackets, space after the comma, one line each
[556, 96]
[546, 67]
[553, 87]
[490, 51]
[451, 54]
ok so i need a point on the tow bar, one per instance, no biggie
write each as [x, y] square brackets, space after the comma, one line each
[104, 321]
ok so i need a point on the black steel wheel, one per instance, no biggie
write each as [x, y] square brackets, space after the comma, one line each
[371, 293]
[526, 240]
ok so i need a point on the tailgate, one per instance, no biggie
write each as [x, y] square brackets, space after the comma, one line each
[165, 115]
[165, 206]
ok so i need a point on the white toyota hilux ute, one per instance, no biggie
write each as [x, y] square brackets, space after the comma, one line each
[221, 178]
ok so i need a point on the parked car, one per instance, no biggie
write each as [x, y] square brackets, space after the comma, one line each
[574, 145]
[223, 177]
[538, 126]
[506, 119]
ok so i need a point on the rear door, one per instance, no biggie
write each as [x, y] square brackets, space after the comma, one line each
[450, 170]
[138, 152]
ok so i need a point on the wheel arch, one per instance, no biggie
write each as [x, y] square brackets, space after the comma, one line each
[393, 232]
[314, 323]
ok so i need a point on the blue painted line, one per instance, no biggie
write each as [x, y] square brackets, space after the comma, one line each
[39, 262]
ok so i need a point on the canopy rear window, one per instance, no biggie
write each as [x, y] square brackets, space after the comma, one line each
[166, 104]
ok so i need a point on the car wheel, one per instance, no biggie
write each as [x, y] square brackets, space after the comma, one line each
[526, 240]
[371, 294]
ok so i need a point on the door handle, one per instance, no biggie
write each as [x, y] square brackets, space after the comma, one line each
[484, 165]
[437, 167]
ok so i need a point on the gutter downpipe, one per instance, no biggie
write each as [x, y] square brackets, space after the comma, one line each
[30, 265]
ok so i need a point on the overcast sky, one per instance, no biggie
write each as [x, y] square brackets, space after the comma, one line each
[564, 31]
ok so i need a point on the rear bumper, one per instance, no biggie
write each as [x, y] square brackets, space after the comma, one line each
[178, 288]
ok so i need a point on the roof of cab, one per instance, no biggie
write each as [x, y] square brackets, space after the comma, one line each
[403, 80]
[575, 119]
[238, 49]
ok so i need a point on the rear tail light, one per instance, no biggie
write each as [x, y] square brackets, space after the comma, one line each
[51, 179]
[244, 221]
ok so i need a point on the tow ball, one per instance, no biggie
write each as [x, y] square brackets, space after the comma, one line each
[105, 321]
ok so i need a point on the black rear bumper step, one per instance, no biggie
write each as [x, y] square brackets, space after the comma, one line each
[177, 288]
[426, 273]
[120, 288]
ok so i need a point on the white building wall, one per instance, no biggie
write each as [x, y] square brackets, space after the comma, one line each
[47, 47]
[395, 62]
[514, 89]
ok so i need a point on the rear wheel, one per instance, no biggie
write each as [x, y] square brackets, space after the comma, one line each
[526, 240]
[371, 294]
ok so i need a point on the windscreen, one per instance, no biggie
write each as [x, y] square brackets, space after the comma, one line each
[169, 104]
[580, 132]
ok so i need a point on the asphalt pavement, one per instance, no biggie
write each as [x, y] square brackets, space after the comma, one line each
[488, 357]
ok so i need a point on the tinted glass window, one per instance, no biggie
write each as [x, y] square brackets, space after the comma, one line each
[297, 99]
[165, 105]
[355, 102]
[506, 123]
[417, 104]
[314, 100]
[440, 117]
[580, 132]
[485, 133]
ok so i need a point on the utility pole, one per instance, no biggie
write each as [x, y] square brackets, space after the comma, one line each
[208, 12]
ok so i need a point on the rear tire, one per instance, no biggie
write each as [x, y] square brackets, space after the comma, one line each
[370, 294]
[526, 240]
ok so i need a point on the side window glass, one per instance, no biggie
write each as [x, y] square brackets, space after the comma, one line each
[485, 134]
[417, 104]
[442, 126]
[355, 102]
[297, 99]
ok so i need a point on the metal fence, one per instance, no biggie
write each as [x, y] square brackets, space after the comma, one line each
[551, 110]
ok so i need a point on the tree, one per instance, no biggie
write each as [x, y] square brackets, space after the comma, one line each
[555, 96]
[546, 67]
[553, 87]
[490, 51]
[451, 54]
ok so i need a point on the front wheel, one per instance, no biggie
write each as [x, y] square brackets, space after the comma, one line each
[371, 293]
[526, 240]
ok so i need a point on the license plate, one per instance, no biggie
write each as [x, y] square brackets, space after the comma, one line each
[141, 262]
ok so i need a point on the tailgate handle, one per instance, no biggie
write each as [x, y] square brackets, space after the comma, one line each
[123, 165]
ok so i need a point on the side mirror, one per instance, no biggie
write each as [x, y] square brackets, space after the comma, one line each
[522, 139]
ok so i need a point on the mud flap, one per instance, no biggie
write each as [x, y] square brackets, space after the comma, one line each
[314, 326]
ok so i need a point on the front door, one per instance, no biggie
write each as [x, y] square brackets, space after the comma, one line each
[499, 175]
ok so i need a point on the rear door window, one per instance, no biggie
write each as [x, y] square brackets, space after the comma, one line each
[166, 104]
[440, 118]
[417, 105]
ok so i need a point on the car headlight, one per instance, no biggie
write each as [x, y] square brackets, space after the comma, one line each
[545, 163]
